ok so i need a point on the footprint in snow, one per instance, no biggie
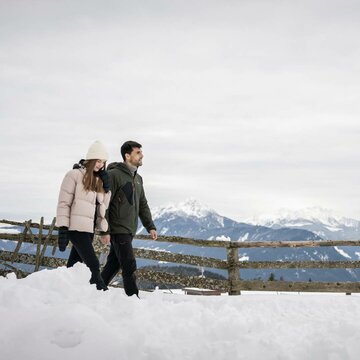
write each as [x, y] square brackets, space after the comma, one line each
[67, 338]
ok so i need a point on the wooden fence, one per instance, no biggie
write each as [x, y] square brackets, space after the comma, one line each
[233, 284]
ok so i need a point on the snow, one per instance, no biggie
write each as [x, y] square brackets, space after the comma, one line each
[189, 207]
[305, 217]
[154, 249]
[141, 228]
[220, 220]
[244, 238]
[294, 224]
[164, 230]
[333, 229]
[56, 314]
[342, 252]
[223, 238]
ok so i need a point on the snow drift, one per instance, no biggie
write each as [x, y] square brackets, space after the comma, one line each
[56, 314]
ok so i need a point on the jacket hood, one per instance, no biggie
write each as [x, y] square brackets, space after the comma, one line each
[79, 165]
[120, 166]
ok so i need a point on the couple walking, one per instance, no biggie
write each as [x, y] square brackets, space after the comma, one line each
[109, 201]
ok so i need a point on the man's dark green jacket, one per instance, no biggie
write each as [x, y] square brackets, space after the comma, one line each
[128, 201]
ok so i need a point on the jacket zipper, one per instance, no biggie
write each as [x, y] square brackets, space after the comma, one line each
[134, 200]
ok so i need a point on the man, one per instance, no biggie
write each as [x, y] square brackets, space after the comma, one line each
[128, 202]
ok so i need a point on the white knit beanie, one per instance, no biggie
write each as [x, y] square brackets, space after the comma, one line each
[97, 151]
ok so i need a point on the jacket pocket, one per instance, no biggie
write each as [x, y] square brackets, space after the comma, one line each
[128, 191]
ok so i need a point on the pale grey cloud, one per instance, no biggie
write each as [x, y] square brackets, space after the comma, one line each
[247, 106]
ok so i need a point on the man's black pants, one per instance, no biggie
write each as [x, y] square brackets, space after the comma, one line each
[83, 251]
[121, 256]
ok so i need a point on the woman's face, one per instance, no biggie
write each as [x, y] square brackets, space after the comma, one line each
[98, 165]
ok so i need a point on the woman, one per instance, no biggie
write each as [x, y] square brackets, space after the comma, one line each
[83, 200]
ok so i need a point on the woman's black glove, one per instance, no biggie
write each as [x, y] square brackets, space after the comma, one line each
[63, 239]
[104, 176]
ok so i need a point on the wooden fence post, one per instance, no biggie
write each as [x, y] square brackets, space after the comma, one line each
[233, 269]
[51, 229]
[38, 246]
[21, 239]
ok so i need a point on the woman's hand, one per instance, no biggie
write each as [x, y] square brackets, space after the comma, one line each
[63, 238]
[104, 176]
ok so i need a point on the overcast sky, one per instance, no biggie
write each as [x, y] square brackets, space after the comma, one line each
[247, 106]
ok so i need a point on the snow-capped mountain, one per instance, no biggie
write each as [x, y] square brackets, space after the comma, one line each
[190, 211]
[325, 223]
[189, 207]
[192, 219]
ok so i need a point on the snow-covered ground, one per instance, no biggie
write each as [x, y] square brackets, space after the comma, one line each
[57, 315]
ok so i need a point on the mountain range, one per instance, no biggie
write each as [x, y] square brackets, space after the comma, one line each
[325, 223]
[192, 219]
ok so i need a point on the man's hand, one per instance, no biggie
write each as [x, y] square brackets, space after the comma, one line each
[153, 234]
[105, 239]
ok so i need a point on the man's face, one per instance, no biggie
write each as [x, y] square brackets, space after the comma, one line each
[135, 158]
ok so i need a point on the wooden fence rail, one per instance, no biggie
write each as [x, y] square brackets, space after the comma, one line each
[233, 284]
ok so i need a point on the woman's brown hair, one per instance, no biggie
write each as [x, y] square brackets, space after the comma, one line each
[91, 180]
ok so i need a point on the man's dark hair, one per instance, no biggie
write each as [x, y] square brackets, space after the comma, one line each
[128, 146]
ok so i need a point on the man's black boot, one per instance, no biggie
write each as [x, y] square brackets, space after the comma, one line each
[98, 280]
[130, 286]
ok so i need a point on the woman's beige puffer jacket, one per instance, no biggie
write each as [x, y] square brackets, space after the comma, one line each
[76, 206]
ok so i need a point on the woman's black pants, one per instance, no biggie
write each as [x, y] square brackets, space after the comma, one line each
[83, 251]
[121, 256]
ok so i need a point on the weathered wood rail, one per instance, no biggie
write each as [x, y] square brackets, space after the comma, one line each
[233, 284]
